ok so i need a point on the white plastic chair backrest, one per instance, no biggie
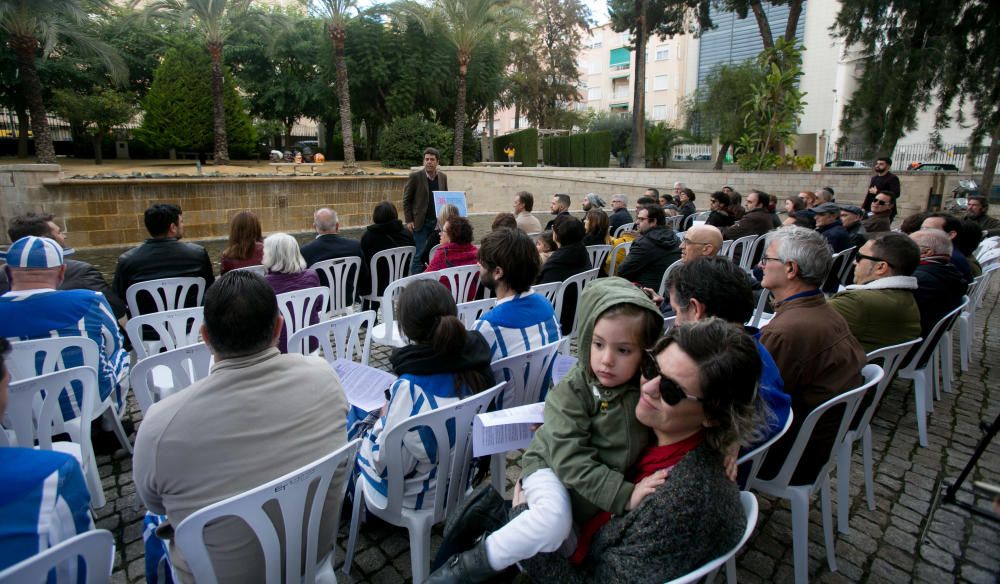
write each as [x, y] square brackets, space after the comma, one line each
[34, 413]
[724, 250]
[662, 291]
[257, 269]
[750, 510]
[291, 494]
[756, 456]
[986, 245]
[625, 245]
[753, 254]
[598, 253]
[469, 312]
[849, 400]
[96, 547]
[341, 276]
[577, 282]
[741, 245]
[392, 292]
[527, 374]
[338, 338]
[185, 364]
[550, 291]
[622, 229]
[167, 293]
[298, 306]
[430, 255]
[668, 323]
[39, 356]
[397, 259]
[919, 358]
[982, 283]
[758, 312]
[174, 329]
[845, 264]
[889, 359]
[463, 281]
[990, 257]
[675, 222]
[453, 463]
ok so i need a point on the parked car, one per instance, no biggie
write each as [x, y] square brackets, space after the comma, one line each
[846, 164]
[933, 167]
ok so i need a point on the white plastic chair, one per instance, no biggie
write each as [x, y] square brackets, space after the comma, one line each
[34, 412]
[709, 570]
[256, 269]
[625, 245]
[622, 229]
[453, 473]
[921, 369]
[183, 366]
[462, 281]
[173, 328]
[550, 291]
[799, 495]
[967, 320]
[675, 222]
[741, 245]
[944, 353]
[989, 258]
[528, 376]
[598, 253]
[297, 307]
[890, 359]
[577, 282]
[758, 313]
[290, 493]
[986, 245]
[398, 260]
[51, 353]
[430, 254]
[668, 323]
[662, 291]
[96, 547]
[341, 276]
[167, 293]
[469, 312]
[338, 338]
[753, 254]
[388, 332]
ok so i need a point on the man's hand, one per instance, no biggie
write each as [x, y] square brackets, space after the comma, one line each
[646, 487]
[872, 190]
[410, 225]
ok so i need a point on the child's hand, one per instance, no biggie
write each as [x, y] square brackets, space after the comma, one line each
[646, 487]
[519, 497]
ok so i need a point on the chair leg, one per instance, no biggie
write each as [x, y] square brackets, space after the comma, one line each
[933, 387]
[964, 341]
[352, 534]
[731, 570]
[866, 451]
[119, 430]
[844, 483]
[93, 480]
[828, 539]
[947, 362]
[420, 550]
[498, 472]
[800, 535]
[920, 395]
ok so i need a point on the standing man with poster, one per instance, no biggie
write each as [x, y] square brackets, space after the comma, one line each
[418, 205]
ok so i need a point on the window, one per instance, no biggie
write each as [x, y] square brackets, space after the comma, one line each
[593, 67]
[659, 112]
[620, 58]
[660, 83]
[662, 52]
[593, 93]
[623, 39]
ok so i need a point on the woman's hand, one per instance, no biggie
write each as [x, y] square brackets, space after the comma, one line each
[730, 462]
[519, 498]
[646, 487]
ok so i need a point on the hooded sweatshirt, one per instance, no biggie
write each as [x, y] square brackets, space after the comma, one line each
[591, 435]
[649, 257]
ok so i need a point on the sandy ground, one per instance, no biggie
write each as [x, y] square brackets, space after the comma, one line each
[78, 167]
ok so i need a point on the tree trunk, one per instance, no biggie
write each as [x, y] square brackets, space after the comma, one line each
[98, 154]
[463, 69]
[762, 25]
[338, 35]
[517, 115]
[221, 153]
[25, 47]
[21, 109]
[722, 156]
[637, 158]
[794, 11]
[991, 163]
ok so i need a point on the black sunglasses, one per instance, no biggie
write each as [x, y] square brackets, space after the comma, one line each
[861, 256]
[671, 393]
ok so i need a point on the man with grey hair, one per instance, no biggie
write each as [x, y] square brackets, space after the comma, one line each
[329, 244]
[815, 351]
[619, 215]
[940, 285]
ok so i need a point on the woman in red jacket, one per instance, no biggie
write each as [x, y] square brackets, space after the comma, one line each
[456, 248]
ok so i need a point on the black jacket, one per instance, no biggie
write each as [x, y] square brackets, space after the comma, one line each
[649, 256]
[719, 219]
[940, 287]
[380, 237]
[754, 222]
[835, 234]
[888, 183]
[158, 258]
[81, 276]
[687, 209]
[857, 235]
[618, 218]
[565, 262]
[548, 225]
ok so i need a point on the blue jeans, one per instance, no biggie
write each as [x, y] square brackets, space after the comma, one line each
[420, 240]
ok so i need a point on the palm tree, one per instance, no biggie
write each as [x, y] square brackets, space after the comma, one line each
[43, 24]
[214, 22]
[466, 24]
[336, 27]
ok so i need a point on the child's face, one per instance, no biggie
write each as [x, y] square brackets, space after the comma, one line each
[615, 350]
[540, 246]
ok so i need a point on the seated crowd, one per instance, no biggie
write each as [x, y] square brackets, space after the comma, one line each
[594, 501]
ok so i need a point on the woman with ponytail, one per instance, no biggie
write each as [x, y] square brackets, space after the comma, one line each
[443, 364]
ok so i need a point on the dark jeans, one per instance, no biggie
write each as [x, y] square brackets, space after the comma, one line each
[420, 240]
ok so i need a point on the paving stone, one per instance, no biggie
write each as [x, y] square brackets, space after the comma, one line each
[370, 560]
[971, 573]
[938, 557]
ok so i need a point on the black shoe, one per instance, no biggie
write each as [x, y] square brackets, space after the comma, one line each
[469, 566]
[483, 511]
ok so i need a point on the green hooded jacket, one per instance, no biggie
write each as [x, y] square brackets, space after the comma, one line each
[591, 435]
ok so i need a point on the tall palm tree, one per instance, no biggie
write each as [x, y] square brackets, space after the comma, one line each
[43, 24]
[335, 11]
[214, 21]
[466, 24]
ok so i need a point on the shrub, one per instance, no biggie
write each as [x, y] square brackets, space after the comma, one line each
[525, 145]
[402, 143]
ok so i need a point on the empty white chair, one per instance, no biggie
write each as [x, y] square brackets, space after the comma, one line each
[397, 260]
[453, 465]
[173, 329]
[337, 339]
[799, 495]
[739, 248]
[662, 291]
[709, 570]
[164, 374]
[341, 276]
[967, 320]
[298, 306]
[42, 420]
[575, 282]
[753, 254]
[96, 547]
[388, 332]
[469, 312]
[598, 253]
[550, 291]
[623, 246]
[622, 229]
[889, 358]
[257, 269]
[290, 493]
[166, 293]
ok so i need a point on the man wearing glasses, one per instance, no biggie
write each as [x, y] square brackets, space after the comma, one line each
[699, 241]
[816, 353]
[879, 307]
[880, 220]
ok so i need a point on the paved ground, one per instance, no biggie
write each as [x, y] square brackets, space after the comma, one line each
[904, 539]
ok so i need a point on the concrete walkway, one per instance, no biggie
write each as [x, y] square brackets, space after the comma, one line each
[885, 545]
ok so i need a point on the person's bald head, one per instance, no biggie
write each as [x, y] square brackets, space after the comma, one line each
[325, 221]
[701, 240]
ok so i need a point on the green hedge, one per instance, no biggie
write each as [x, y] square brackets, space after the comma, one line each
[525, 145]
[591, 149]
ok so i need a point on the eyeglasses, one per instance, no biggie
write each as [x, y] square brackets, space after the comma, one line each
[638, 219]
[765, 259]
[687, 241]
[861, 256]
[880, 202]
[671, 393]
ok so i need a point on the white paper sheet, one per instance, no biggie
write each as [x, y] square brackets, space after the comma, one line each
[364, 386]
[561, 366]
[505, 430]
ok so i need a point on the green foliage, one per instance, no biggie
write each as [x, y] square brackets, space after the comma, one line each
[403, 141]
[661, 139]
[178, 107]
[95, 113]
[618, 127]
[591, 149]
[525, 145]
[717, 107]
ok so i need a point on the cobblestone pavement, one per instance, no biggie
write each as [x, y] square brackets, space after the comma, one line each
[903, 540]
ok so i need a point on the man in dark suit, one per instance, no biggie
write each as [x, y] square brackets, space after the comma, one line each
[329, 244]
[418, 203]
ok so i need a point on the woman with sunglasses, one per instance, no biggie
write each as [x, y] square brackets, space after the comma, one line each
[698, 386]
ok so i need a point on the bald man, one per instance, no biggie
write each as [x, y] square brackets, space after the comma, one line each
[701, 240]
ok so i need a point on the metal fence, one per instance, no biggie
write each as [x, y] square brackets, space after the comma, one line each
[58, 128]
[905, 155]
[693, 152]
